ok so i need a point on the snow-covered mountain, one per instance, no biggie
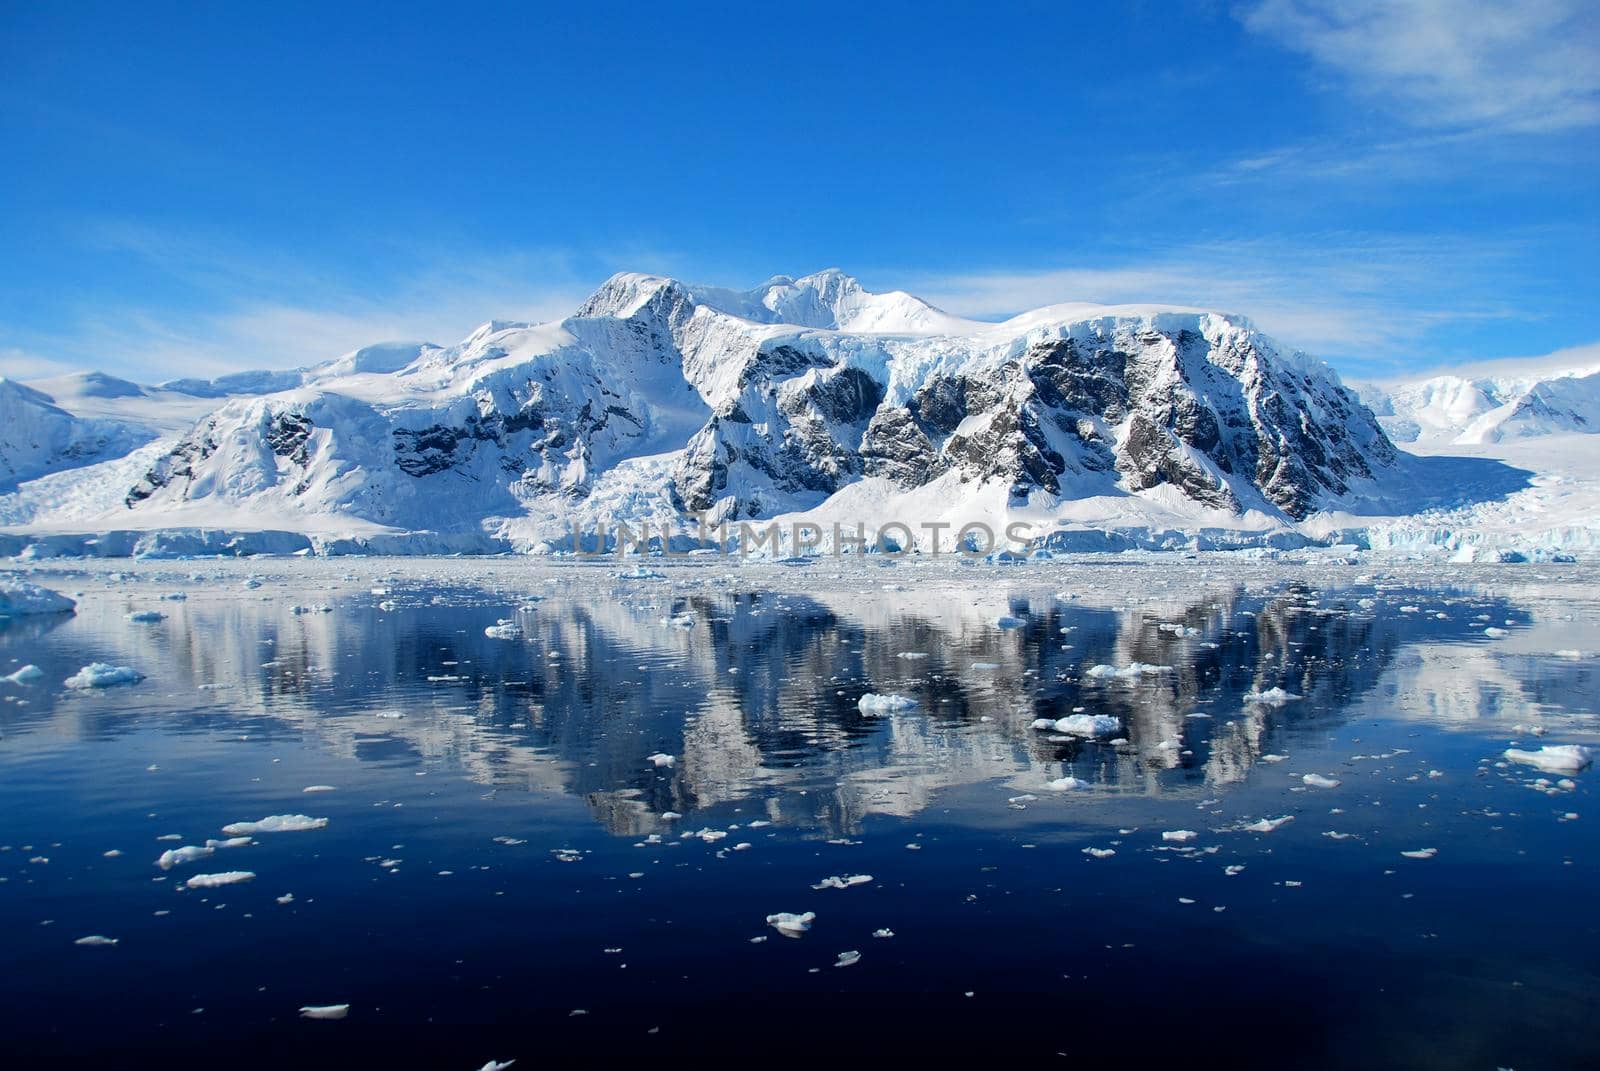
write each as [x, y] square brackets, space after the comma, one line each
[807, 398]
[1493, 403]
[38, 437]
[767, 402]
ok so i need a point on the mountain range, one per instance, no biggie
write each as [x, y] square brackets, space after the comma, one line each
[659, 401]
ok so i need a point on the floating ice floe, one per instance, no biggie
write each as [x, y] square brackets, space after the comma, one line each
[1421, 853]
[883, 933]
[1561, 758]
[1272, 697]
[1081, 724]
[641, 573]
[1179, 836]
[791, 925]
[26, 675]
[215, 881]
[1318, 781]
[275, 823]
[497, 1065]
[873, 704]
[848, 959]
[1007, 621]
[189, 853]
[660, 759]
[146, 616]
[1065, 784]
[103, 675]
[837, 882]
[679, 621]
[19, 598]
[319, 788]
[94, 940]
[1100, 853]
[1128, 672]
[1268, 825]
[324, 1011]
[504, 629]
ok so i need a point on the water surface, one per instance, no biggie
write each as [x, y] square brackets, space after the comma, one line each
[564, 845]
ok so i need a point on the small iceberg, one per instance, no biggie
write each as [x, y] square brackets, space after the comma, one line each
[19, 598]
[26, 675]
[324, 1011]
[1081, 724]
[216, 881]
[837, 882]
[189, 853]
[1562, 758]
[873, 705]
[275, 823]
[1131, 671]
[1272, 697]
[103, 675]
[791, 925]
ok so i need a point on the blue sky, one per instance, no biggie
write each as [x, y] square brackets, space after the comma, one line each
[192, 189]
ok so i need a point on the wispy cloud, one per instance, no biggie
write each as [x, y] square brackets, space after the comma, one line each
[1345, 295]
[18, 363]
[240, 309]
[1531, 66]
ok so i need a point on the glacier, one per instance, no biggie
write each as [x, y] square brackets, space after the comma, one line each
[666, 407]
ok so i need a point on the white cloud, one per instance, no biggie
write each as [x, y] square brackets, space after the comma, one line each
[1528, 66]
[251, 335]
[257, 308]
[20, 364]
[1570, 358]
[1331, 294]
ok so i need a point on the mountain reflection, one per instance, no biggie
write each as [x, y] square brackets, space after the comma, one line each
[754, 694]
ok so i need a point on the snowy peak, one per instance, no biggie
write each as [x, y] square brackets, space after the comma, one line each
[828, 300]
[1509, 400]
[64, 389]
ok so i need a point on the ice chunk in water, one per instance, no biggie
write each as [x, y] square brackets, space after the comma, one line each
[213, 881]
[103, 675]
[275, 823]
[1563, 758]
[872, 704]
[791, 925]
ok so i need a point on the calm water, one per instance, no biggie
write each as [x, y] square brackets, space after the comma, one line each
[507, 872]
